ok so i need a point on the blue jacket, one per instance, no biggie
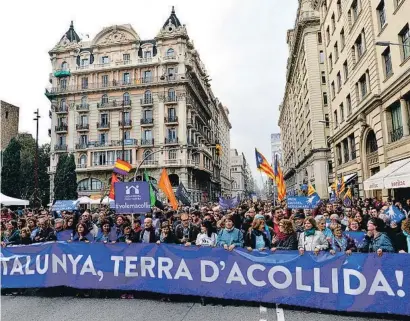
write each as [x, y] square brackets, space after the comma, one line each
[380, 242]
[230, 237]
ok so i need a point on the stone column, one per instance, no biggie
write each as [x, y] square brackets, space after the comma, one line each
[349, 146]
[404, 117]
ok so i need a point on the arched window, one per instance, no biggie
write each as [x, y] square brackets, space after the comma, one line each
[147, 95]
[82, 161]
[147, 153]
[170, 52]
[63, 104]
[64, 65]
[96, 184]
[171, 94]
[104, 99]
[371, 143]
[126, 98]
[172, 154]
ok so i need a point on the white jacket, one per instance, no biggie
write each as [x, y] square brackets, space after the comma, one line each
[309, 243]
[205, 240]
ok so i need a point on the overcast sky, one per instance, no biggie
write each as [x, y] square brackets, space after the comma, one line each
[242, 44]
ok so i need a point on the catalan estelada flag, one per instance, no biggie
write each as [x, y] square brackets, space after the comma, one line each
[114, 179]
[347, 199]
[340, 187]
[311, 190]
[165, 185]
[280, 181]
[263, 165]
[122, 167]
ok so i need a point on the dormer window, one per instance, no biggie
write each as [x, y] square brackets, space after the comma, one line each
[170, 52]
[105, 60]
[64, 66]
[147, 54]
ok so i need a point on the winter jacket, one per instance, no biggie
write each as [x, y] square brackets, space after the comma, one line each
[26, 240]
[169, 239]
[400, 242]
[204, 240]
[45, 235]
[226, 237]
[192, 233]
[13, 238]
[251, 238]
[344, 244]
[289, 243]
[129, 237]
[311, 242]
[371, 244]
[152, 235]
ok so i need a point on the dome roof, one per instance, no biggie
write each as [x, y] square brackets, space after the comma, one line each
[71, 34]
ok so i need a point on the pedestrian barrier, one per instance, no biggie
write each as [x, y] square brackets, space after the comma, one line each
[359, 282]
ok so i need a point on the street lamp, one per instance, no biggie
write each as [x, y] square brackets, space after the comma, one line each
[388, 43]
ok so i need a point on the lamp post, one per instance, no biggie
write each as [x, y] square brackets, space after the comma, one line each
[36, 119]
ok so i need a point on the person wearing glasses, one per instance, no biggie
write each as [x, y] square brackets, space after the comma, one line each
[186, 232]
[286, 239]
[312, 239]
[375, 241]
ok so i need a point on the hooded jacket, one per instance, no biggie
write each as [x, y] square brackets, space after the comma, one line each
[371, 244]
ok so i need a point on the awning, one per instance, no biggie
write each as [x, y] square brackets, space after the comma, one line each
[399, 178]
[8, 201]
[378, 181]
[347, 179]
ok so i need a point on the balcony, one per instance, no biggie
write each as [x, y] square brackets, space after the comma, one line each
[62, 73]
[192, 162]
[169, 58]
[171, 141]
[145, 60]
[81, 166]
[115, 84]
[148, 163]
[62, 128]
[175, 162]
[103, 125]
[82, 127]
[60, 148]
[126, 123]
[61, 109]
[173, 99]
[115, 64]
[81, 146]
[82, 107]
[145, 122]
[147, 101]
[171, 120]
[147, 142]
[108, 105]
[396, 134]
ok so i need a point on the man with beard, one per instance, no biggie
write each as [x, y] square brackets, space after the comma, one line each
[186, 232]
[277, 217]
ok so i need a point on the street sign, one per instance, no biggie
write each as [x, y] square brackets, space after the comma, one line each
[132, 197]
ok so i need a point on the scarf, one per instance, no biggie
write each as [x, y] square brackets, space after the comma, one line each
[310, 232]
[342, 242]
[282, 236]
[229, 229]
[408, 240]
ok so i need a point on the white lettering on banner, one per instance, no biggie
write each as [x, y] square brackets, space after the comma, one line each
[235, 275]
[347, 273]
[38, 264]
[74, 262]
[215, 274]
[116, 260]
[147, 265]
[165, 264]
[299, 284]
[62, 263]
[285, 271]
[250, 276]
[27, 270]
[183, 271]
[129, 265]
[315, 280]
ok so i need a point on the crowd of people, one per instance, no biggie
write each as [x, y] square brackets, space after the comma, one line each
[255, 226]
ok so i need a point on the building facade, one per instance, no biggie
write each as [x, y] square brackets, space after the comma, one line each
[152, 95]
[238, 173]
[305, 106]
[369, 84]
[225, 142]
[9, 123]
[276, 147]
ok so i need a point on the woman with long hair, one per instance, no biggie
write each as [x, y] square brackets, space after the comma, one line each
[81, 232]
[206, 237]
[256, 239]
[312, 239]
[287, 238]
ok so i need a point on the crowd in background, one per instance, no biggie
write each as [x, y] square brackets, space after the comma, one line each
[252, 225]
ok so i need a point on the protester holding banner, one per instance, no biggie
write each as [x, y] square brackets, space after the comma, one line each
[340, 242]
[186, 232]
[44, 233]
[375, 240]
[256, 238]
[148, 234]
[12, 234]
[286, 239]
[166, 235]
[82, 234]
[206, 237]
[312, 239]
[104, 233]
[230, 237]
[128, 235]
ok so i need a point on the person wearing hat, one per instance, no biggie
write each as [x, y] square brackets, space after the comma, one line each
[298, 219]
[375, 240]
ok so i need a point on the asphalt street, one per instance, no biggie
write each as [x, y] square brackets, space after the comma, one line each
[38, 308]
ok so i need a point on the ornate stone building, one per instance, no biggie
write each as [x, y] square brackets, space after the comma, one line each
[305, 106]
[367, 50]
[225, 141]
[154, 93]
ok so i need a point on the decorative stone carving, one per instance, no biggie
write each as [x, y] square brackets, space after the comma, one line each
[115, 36]
[65, 44]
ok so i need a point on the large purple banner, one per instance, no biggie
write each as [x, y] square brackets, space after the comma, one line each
[360, 282]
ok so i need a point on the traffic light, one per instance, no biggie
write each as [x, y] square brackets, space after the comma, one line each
[218, 150]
